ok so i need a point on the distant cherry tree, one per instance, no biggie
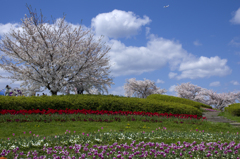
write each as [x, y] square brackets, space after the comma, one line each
[208, 97]
[141, 89]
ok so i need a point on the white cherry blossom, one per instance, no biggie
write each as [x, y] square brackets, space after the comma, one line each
[54, 56]
[141, 89]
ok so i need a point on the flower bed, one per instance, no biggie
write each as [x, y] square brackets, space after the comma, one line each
[98, 112]
[152, 143]
[123, 145]
[89, 115]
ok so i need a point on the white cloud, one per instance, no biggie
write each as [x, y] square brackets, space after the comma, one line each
[204, 67]
[147, 31]
[158, 52]
[117, 24]
[197, 43]
[235, 82]
[236, 17]
[137, 60]
[172, 75]
[5, 28]
[160, 81]
[172, 88]
[215, 84]
[235, 42]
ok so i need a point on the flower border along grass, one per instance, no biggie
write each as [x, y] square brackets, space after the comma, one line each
[156, 143]
[123, 145]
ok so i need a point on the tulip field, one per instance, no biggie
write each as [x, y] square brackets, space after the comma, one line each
[93, 134]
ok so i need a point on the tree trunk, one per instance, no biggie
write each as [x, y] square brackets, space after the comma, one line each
[54, 93]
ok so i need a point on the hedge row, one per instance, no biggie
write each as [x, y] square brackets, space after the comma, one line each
[234, 109]
[96, 102]
[173, 99]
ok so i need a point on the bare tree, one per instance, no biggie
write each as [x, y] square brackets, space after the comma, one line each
[55, 56]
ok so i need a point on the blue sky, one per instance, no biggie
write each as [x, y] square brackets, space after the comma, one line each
[190, 41]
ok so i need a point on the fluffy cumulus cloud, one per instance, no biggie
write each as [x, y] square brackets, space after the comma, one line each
[235, 82]
[215, 84]
[117, 24]
[204, 67]
[137, 60]
[5, 28]
[157, 54]
[236, 17]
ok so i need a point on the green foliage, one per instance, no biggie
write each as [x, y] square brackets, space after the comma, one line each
[97, 102]
[173, 99]
[233, 109]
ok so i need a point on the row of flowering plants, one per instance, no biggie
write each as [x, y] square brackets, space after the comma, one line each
[98, 112]
[91, 115]
[99, 145]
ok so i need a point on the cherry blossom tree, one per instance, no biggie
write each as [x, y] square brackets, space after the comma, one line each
[221, 100]
[141, 89]
[202, 95]
[187, 90]
[55, 56]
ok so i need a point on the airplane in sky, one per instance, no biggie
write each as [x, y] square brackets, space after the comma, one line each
[166, 6]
